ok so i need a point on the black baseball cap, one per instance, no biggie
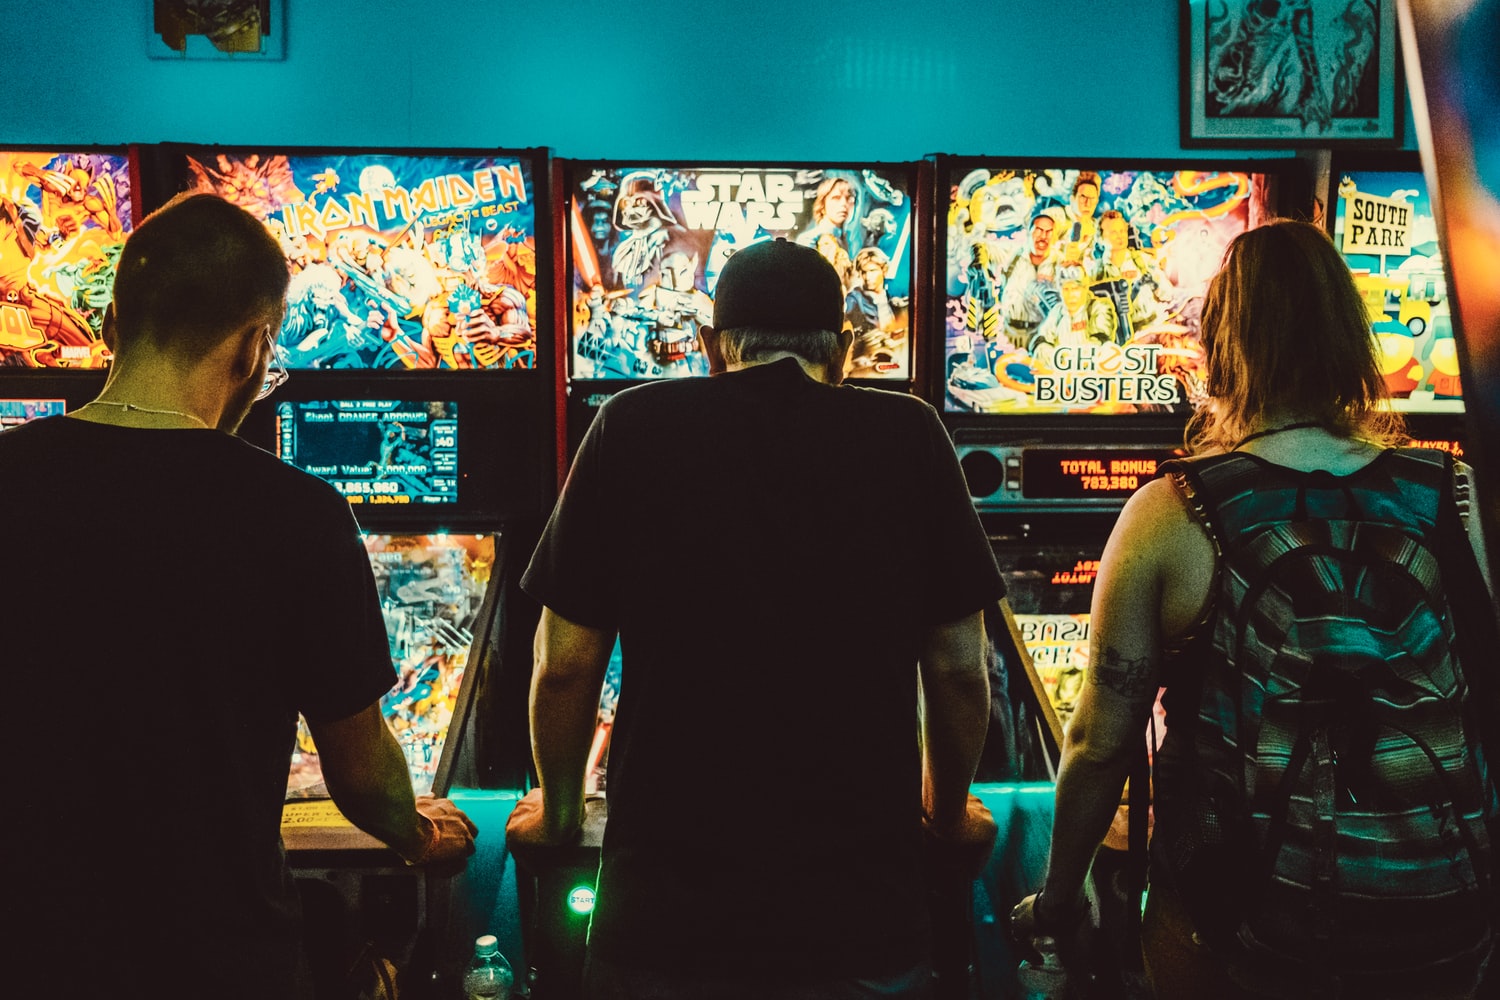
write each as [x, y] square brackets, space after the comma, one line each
[778, 285]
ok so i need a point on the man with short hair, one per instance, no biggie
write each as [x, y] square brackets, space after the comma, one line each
[780, 576]
[186, 596]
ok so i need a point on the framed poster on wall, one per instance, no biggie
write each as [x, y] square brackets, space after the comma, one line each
[216, 29]
[1290, 72]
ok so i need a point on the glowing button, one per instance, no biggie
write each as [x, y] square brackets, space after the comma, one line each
[581, 899]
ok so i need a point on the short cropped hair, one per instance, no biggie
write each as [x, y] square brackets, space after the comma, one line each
[749, 344]
[195, 271]
[1285, 330]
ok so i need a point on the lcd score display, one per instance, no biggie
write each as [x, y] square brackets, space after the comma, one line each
[647, 245]
[63, 219]
[375, 451]
[1384, 227]
[1079, 291]
[1087, 473]
[431, 588]
[397, 262]
[14, 412]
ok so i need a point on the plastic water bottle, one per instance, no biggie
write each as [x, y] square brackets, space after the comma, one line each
[1045, 980]
[489, 976]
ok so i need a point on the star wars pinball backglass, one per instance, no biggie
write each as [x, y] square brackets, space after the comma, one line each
[646, 243]
[64, 215]
[1075, 286]
[400, 260]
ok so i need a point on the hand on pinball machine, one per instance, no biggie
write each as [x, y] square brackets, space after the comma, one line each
[530, 827]
[447, 836]
[963, 846]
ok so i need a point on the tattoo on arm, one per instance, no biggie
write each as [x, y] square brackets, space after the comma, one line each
[1127, 678]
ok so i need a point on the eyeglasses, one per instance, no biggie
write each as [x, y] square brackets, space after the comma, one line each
[276, 373]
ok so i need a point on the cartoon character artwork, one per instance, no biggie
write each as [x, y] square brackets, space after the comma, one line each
[410, 261]
[647, 244]
[1383, 225]
[63, 220]
[1080, 290]
[431, 588]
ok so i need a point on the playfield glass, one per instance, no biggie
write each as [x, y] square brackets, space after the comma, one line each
[431, 588]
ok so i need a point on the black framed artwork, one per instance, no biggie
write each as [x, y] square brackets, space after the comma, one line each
[216, 29]
[1290, 72]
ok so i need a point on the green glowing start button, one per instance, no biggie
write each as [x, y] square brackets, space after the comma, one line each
[581, 899]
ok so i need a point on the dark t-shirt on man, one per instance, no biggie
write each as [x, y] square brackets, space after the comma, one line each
[173, 599]
[771, 550]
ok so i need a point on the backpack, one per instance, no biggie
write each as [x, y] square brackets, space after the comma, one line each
[1322, 812]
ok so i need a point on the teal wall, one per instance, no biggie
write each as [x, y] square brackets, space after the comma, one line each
[775, 79]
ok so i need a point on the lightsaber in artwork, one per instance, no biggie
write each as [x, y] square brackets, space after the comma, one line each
[584, 259]
[890, 269]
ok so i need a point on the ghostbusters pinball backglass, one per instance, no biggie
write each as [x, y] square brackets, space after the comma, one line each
[646, 244]
[399, 260]
[64, 216]
[433, 596]
[1076, 288]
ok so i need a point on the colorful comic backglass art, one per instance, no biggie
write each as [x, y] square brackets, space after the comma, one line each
[398, 262]
[1079, 291]
[647, 245]
[375, 451]
[1384, 227]
[63, 219]
[431, 588]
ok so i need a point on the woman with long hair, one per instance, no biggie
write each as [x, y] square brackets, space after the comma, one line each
[1296, 445]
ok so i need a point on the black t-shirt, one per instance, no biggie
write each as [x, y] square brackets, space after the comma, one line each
[772, 551]
[173, 599]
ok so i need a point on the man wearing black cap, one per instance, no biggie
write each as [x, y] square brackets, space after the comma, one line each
[776, 576]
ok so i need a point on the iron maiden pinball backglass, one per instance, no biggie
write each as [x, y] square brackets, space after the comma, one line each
[399, 261]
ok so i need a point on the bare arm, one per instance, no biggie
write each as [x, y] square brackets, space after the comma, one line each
[955, 715]
[1153, 578]
[367, 776]
[570, 661]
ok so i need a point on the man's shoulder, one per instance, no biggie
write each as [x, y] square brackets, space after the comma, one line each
[887, 404]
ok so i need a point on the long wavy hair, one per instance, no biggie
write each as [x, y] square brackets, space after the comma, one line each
[1288, 336]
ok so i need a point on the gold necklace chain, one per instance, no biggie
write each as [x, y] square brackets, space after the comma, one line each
[133, 408]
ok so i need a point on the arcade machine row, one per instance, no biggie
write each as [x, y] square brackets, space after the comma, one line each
[421, 390]
[644, 246]
[64, 215]
[1381, 219]
[1067, 364]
